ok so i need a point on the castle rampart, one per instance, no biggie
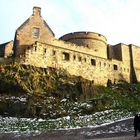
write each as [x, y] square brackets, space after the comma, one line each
[97, 69]
[91, 40]
[84, 35]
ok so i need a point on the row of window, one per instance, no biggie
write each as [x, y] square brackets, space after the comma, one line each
[66, 57]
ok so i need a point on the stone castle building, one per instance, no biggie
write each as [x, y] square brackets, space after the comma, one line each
[85, 54]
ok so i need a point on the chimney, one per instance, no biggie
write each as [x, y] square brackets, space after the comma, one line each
[36, 11]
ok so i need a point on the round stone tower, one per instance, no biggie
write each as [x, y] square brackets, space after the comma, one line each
[91, 40]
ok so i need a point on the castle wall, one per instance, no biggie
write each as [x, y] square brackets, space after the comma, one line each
[97, 69]
[119, 52]
[6, 49]
[125, 53]
[115, 52]
[136, 61]
[94, 41]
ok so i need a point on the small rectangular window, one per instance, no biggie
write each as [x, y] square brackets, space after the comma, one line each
[85, 59]
[66, 56]
[80, 58]
[53, 52]
[93, 62]
[115, 67]
[36, 32]
[74, 57]
[35, 48]
[44, 50]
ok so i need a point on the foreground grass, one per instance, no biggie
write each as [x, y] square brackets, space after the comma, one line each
[10, 124]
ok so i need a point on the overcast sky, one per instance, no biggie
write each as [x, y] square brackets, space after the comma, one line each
[118, 20]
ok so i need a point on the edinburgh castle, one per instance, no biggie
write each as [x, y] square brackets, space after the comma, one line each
[85, 54]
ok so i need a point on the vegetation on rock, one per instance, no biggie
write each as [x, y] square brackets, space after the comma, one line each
[29, 91]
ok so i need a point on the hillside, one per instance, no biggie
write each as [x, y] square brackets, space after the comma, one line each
[27, 91]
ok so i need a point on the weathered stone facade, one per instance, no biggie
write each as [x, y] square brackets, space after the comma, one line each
[77, 61]
[32, 30]
[6, 49]
[85, 54]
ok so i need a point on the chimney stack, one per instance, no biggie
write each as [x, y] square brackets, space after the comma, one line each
[36, 11]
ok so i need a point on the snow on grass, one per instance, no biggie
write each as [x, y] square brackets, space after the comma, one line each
[12, 124]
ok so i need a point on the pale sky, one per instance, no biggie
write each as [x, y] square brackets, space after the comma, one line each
[118, 20]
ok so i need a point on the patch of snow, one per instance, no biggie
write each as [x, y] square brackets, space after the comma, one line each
[13, 124]
[64, 100]
[22, 99]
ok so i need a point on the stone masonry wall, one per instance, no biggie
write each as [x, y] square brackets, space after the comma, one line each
[8, 49]
[94, 41]
[97, 69]
[33, 29]
[136, 60]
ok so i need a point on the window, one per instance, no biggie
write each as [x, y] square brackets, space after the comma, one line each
[80, 58]
[35, 48]
[53, 52]
[74, 57]
[36, 32]
[93, 62]
[44, 50]
[66, 56]
[115, 67]
[85, 59]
